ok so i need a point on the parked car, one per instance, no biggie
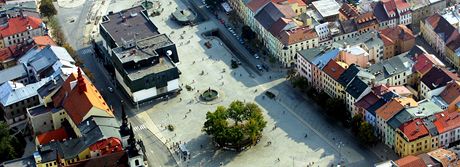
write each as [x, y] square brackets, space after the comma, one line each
[256, 56]
[259, 67]
[110, 89]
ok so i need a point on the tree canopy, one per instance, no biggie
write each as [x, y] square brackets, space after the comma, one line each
[47, 8]
[7, 151]
[239, 123]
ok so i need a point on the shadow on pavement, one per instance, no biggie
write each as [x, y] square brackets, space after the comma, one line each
[203, 153]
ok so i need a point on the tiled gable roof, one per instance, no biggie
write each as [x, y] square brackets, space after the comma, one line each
[447, 121]
[414, 129]
[389, 109]
[410, 161]
[400, 32]
[80, 98]
[442, 28]
[451, 92]
[333, 69]
[349, 11]
[293, 36]
[424, 62]
[256, 5]
[19, 24]
[55, 135]
[367, 101]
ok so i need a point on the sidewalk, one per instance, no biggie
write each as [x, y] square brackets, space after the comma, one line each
[384, 152]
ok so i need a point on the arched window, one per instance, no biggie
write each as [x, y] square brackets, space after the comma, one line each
[136, 162]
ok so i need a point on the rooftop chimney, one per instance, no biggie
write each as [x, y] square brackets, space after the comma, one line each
[80, 82]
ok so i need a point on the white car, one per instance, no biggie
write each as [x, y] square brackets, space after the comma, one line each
[110, 89]
[256, 56]
[259, 67]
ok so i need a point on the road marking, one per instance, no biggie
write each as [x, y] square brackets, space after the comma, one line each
[139, 127]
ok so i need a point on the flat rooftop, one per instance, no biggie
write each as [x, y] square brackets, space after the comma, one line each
[128, 24]
[326, 8]
[145, 49]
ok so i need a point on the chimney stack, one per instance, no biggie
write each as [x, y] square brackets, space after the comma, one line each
[80, 82]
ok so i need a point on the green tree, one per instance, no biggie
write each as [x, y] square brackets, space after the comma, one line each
[247, 33]
[234, 18]
[7, 151]
[366, 133]
[236, 124]
[356, 123]
[47, 8]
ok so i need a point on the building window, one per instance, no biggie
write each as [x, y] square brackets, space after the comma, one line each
[136, 162]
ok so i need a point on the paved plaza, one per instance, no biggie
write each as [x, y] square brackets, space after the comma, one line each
[288, 116]
[303, 135]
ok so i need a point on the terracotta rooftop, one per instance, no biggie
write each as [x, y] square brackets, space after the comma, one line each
[400, 90]
[19, 24]
[42, 41]
[14, 51]
[365, 17]
[298, 2]
[78, 96]
[333, 69]
[445, 157]
[296, 35]
[349, 11]
[56, 135]
[442, 26]
[451, 92]
[424, 62]
[380, 89]
[400, 32]
[255, 5]
[367, 101]
[390, 109]
[410, 161]
[447, 121]
[414, 129]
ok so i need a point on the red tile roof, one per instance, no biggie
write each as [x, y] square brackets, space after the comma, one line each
[107, 146]
[446, 121]
[56, 135]
[297, 35]
[43, 41]
[401, 5]
[14, 51]
[298, 2]
[410, 161]
[333, 69]
[424, 62]
[388, 110]
[19, 24]
[400, 32]
[414, 129]
[255, 5]
[380, 89]
[81, 99]
[6, 53]
[389, 6]
[451, 93]
[367, 101]
[349, 11]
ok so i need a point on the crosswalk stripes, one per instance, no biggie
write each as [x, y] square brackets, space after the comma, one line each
[86, 51]
[140, 127]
